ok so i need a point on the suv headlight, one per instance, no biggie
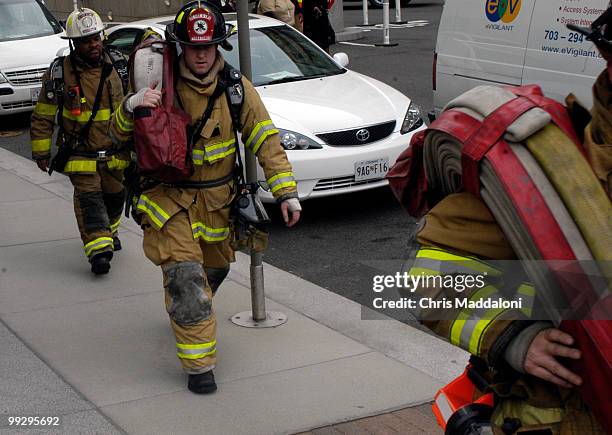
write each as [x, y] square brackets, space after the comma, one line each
[2, 78]
[412, 120]
[291, 140]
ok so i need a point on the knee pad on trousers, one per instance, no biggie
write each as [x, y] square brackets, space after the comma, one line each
[185, 284]
[114, 203]
[93, 211]
[215, 276]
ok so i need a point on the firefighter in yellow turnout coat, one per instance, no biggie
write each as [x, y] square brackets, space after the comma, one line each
[186, 230]
[521, 358]
[73, 88]
[525, 361]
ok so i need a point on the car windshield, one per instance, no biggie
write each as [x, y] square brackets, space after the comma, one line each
[22, 19]
[280, 54]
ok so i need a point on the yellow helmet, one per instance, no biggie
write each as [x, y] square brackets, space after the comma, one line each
[83, 22]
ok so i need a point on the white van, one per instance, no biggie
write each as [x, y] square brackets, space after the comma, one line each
[30, 38]
[516, 42]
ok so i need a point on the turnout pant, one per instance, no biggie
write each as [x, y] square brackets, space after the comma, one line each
[98, 204]
[192, 272]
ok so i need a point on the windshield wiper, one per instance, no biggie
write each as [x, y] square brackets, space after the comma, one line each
[294, 79]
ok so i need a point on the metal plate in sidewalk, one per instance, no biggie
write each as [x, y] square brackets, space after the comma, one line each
[245, 319]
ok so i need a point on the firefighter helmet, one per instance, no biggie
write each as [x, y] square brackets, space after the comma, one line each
[83, 22]
[199, 23]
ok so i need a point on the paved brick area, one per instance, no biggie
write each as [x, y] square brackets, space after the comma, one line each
[408, 421]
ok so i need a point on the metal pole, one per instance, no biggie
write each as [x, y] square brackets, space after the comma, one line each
[398, 13]
[386, 37]
[258, 300]
[258, 318]
[244, 44]
[365, 15]
[386, 32]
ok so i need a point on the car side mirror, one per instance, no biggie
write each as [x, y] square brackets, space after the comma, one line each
[341, 59]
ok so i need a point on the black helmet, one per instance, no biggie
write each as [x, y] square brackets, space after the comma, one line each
[199, 23]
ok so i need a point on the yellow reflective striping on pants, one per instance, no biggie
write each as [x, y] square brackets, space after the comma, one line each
[41, 145]
[80, 166]
[157, 215]
[209, 234]
[196, 351]
[97, 244]
[115, 225]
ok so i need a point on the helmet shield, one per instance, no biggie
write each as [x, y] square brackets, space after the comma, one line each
[199, 23]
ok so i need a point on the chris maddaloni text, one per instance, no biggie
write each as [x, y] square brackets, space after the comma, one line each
[444, 303]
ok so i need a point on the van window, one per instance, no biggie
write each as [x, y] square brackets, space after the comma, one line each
[23, 19]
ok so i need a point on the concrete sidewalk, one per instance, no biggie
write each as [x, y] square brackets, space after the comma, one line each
[99, 352]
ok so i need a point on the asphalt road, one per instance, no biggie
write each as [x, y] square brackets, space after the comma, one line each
[341, 242]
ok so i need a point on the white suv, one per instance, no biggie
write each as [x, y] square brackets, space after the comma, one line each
[29, 41]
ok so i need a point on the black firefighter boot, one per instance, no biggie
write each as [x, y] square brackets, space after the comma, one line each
[203, 383]
[100, 263]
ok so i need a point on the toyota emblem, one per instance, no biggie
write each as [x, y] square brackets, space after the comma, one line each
[363, 135]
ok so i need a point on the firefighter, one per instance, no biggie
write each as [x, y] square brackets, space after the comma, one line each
[524, 362]
[186, 230]
[83, 89]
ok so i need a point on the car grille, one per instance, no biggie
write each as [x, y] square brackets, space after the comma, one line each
[18, 104]
[349, 137]
[341, 183]
[26, 76]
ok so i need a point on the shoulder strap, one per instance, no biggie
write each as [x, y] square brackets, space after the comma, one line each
[234, 91]
[208, 111]
[120, 64]
[106, 70]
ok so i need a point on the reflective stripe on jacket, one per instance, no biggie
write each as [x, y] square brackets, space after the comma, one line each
[476, 315]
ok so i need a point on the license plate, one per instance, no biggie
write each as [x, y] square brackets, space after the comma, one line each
[34, 93]
[371, 169]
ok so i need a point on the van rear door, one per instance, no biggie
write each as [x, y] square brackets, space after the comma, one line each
[558, 59]
[480, 42]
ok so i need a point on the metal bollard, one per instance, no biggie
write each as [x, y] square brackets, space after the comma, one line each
[398, 13]
[257, 317]
[386, 38]
[258, 299]
[365, 15]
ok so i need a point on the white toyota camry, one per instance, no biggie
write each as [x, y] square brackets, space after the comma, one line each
[342, 130]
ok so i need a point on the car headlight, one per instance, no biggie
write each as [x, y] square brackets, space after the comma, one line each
[291, 140]
[412, 120]
[3, 79]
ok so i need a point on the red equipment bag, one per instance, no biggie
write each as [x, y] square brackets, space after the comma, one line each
[161, 139]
